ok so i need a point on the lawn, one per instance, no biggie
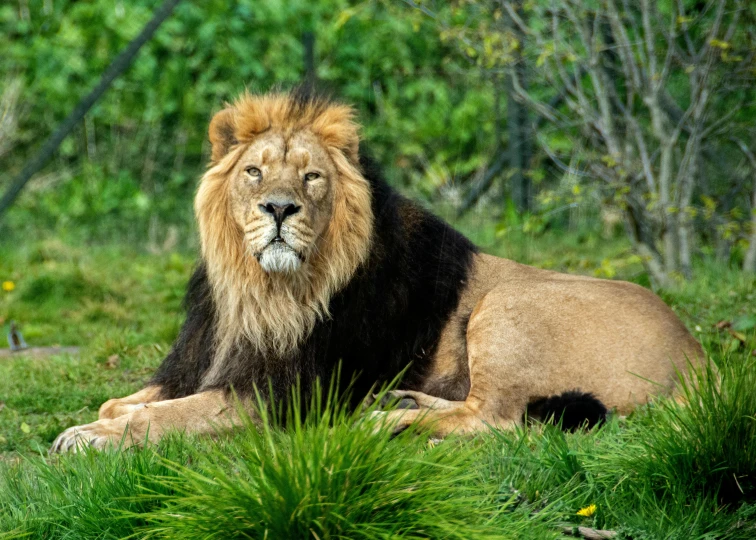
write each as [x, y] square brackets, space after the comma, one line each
[663, 472]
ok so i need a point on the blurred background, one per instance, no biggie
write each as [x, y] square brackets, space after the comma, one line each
[620, 118]
[606, 137]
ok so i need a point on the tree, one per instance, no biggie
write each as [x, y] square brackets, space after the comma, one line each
[648, 93]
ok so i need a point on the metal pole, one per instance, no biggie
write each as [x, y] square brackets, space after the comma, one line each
[118, 66]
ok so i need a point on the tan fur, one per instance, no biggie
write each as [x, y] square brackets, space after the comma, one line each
[535, 333]
[206, 412]
[531, 333]
[113, 408]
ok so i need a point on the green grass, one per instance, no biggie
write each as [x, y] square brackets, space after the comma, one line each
[663, 472]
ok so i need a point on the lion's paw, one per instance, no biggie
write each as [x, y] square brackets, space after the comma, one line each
[395, 399]
[96, 435]
[394, 421]
[115, 408]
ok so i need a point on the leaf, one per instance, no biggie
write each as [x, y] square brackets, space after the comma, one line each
[710, 205]
[719, 44]
[740, 336]
[545, 53]
[744, 323]
[344, 17]
[25, 427]
[609, 161]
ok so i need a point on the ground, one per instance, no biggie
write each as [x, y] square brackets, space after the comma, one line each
[664, 472]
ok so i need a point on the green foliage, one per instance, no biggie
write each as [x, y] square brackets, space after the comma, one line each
[328, 475]
[138, 155]
[665, 472]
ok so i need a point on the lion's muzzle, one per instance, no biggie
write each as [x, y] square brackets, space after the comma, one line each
[279, 256]
[279, 253]
[280, 210]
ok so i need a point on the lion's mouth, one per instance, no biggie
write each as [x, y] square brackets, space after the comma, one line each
[279, 257]
[279, 243]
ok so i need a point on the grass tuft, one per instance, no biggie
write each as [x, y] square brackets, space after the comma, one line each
[82, 496]
[329, 474]
[707, 445]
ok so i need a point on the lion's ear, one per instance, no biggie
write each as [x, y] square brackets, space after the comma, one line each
[223, 133]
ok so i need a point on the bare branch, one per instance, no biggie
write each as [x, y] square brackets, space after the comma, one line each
[648, 34]
[515, 17]
[685, 28]
[640, 141]
[551, 113]
[624, 48]
[559, 163]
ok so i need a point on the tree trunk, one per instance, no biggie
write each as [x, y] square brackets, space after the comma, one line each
[517, 124]
[308, 44]
[638, 230]
[749, 263]
[669, 240]
[684, 221]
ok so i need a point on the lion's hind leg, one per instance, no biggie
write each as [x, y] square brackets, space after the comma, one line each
[454, 417]
[411, 399]
[505, 369]
[440, 416]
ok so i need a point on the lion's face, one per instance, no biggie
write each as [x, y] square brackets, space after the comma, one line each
[281, 197]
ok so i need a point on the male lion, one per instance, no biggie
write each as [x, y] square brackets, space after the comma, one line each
[309, 259]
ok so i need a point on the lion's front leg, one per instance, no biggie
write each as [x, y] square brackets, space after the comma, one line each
[205, 412]
[113, 408]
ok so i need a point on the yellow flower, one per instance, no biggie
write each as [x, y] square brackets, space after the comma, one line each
[8, 286]
[588, 511]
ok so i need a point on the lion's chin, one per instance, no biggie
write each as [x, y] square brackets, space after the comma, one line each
[280, 258]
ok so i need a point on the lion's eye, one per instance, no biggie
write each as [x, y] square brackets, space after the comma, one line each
[254, 172]
[310, 176]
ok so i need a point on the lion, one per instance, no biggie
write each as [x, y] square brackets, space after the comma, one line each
[310, 262]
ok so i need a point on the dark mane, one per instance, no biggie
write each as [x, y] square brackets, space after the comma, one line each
[307, 101]
[390, 314]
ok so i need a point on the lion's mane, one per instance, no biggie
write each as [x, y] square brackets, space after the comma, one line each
[274, 312]
[377, 294]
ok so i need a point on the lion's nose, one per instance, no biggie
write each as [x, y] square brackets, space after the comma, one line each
[280, 210]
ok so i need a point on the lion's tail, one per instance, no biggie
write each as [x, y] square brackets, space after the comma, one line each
[575, 409]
